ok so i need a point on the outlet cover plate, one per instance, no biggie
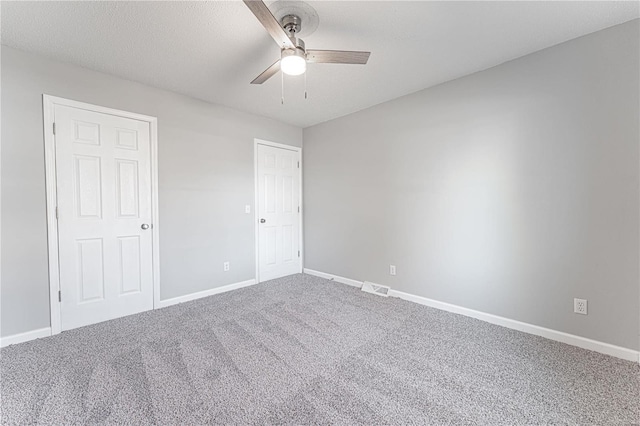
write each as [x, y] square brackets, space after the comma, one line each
[580, 306]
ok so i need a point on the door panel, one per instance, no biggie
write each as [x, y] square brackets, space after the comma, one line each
[129, 262]
[88, 186]
[127, 194]
[103, 168]
[278, 205]
[90, 263]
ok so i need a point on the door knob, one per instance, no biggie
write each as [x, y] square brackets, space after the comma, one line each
[262, 220]
[145, 226]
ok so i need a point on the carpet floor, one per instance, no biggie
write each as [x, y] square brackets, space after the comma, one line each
[304, 350]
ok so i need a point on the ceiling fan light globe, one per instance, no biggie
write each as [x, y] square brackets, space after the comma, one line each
[293, 63]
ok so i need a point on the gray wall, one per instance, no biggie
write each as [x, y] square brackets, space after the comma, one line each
[205, 173]
[510, 191]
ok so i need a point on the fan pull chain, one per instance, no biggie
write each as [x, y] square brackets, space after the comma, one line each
[282, 87]
[305, 83]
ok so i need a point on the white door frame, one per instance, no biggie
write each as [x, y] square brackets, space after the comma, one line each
[48, 107]
[257, 142]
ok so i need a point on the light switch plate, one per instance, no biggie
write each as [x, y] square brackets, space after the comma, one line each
[247, 208]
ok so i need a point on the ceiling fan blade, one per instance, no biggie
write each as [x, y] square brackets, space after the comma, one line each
[270, 23]
[268, 73]
[337, 56]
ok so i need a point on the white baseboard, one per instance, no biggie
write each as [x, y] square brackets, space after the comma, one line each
[581, 342]
[45, 332]
[25, 337]
[205, 293]
[343, 280]
[559, 336]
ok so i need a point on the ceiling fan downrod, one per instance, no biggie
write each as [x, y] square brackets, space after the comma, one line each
[292, 24]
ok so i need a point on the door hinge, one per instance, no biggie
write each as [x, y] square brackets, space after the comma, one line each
[298, 164]
[54, 128]
[298, 209]
[57, 214]
[59, 296]
[298, 253]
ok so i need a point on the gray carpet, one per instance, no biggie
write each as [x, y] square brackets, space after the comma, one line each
[303, 350]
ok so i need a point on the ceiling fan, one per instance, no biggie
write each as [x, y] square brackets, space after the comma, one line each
[294, 55]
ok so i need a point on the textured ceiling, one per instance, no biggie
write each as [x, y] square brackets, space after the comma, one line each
[212, 50]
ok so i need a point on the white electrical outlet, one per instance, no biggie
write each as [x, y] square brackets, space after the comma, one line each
[392, 269]
[226, 266]
[580, 306]
[247, 208]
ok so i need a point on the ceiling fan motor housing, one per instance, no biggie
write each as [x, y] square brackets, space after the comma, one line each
[298, 51]
[299, 44]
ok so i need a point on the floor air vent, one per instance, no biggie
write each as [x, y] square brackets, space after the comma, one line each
[380, 290]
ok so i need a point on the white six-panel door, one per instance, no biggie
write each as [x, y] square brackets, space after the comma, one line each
[278, 177]
[103, 171]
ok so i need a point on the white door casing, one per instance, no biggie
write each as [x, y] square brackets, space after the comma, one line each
[278, 210]
[105, 196]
